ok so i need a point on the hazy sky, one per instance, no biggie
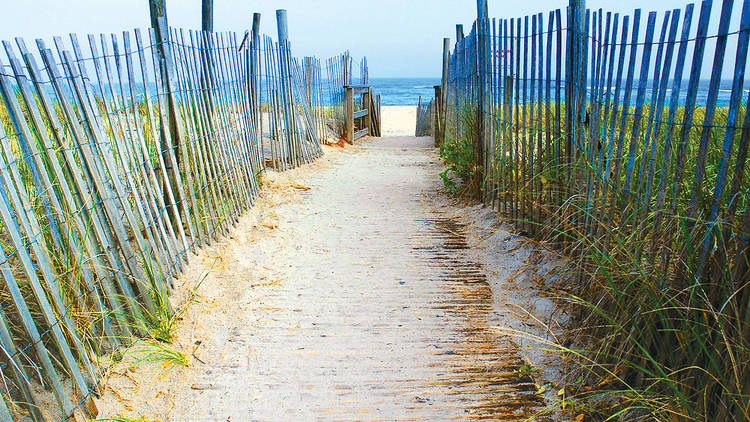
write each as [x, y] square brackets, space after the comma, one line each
[399, 37]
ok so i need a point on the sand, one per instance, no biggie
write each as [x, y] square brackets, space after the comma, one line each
[399, 120]
[353, 290]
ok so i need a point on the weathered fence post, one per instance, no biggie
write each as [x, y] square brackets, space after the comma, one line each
[207, 16]
[367, 100]
[576, 11]
[158, 14]
[482, 52]
[456, 61]
[379, 119]
[283, 32]
[207, 25]
[157, 9]
[345, 63]
[282, 26]
[255, 81]
[441, 107]
[176, 133]
[436, 118]
[349, 113]
[308, 78]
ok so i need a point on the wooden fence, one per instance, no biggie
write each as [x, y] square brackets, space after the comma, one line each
[426, 114]
[120, 156]
[361, 111]
[340, 71]
[625, 137]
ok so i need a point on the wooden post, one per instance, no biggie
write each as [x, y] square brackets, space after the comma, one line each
[345, 63]
[458, 60]
[158, 9]
[158, 14]
[577, 9]
[379, 117]
[436, 125]
[483, 69]
[349, 113]
[365, 72]
[440, 135]
[256, 83]
[176, 132]
[207, 16]
[284, 75]
[207, 25]
[256, 31]
[308, 78]
[281, 25]
[367, 99]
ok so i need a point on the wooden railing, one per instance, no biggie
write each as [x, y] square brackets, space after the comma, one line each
[366, 119]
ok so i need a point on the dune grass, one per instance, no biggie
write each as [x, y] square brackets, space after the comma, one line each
[659, 290]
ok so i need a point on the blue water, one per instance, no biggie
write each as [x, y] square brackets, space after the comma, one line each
[404, 91]
[723, 94]
[407, 91]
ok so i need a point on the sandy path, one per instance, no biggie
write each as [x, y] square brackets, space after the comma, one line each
[358, 299]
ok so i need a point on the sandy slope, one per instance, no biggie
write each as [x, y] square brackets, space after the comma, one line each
[367, 297]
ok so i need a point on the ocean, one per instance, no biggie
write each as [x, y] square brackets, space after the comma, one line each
[406, 91]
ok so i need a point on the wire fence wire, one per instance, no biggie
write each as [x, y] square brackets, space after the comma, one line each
[120, 156]
[622, 136]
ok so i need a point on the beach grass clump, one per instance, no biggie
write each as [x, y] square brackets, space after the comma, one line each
[663, 328]
[160, 352]
[651, 346]
[462, 175]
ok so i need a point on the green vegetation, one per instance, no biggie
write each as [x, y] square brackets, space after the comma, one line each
[662, 322]
[156, 351]
[161, 323]
[64, 241]
[462, 175]
[527, 370]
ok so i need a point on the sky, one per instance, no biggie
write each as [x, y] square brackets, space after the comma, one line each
[400, 38]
